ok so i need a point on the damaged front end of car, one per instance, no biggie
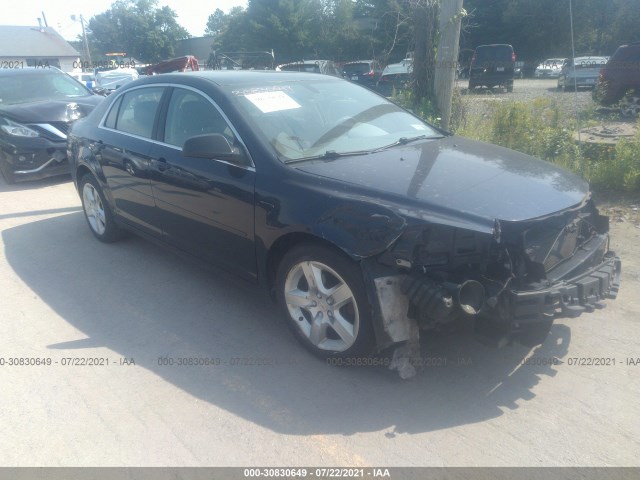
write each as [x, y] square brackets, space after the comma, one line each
[510, 282]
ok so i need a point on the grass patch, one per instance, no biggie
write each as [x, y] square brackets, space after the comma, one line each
[542, 129]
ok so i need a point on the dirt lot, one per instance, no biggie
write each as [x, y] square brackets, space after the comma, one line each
[524, 90]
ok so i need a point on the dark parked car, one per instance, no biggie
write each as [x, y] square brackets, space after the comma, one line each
[364, 222]
[619, 80]
[325, 67]
[37, 107]
[492, 66]
[395, 77]
[364, 72]
[580, 72]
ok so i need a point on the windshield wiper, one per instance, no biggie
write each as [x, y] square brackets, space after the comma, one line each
[329, 155]
[332, 154]
[405, 140]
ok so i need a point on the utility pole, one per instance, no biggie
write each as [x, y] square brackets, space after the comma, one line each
[86, 43]
[451, 12]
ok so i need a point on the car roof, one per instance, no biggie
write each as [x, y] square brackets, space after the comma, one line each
[239, 77]
[595, 57]
[398, 67]
[358, 61]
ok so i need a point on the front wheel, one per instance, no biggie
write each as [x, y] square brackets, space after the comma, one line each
[323, 297]
[97, 211]
[630, 105]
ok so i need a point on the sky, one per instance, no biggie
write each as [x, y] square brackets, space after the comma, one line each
[192, 14]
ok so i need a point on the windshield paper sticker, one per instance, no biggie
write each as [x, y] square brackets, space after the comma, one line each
[417, 126]
[272, 101]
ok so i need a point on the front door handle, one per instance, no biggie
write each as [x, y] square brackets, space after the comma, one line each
[161, 164]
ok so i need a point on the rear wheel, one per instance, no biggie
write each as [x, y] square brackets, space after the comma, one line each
[323, 297]
[97, 211]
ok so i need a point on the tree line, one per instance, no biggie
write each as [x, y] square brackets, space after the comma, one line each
[357, 29]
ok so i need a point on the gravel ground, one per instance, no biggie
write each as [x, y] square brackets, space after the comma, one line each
[479, 101]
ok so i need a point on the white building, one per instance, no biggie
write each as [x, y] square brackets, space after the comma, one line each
[35, 47]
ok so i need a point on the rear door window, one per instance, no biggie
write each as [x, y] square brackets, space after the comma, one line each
[138, 111]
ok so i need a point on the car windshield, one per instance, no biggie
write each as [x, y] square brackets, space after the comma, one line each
[315, 118]
[39, 86]
[494, 52]
[552, 63]
[356, 68]
[301, 67]
[396, 68]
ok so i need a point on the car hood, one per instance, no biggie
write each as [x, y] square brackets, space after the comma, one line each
[50, 110]
[454, 176]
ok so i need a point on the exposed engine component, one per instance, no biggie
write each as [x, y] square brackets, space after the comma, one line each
[433, 303]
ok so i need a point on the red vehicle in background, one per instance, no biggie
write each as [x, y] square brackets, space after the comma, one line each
[178, 64]
[619, 81]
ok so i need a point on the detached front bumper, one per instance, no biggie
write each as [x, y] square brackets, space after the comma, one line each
[403, 303]
[572, 297]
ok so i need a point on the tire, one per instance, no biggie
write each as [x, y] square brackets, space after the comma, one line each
[509, 88]
[97, 211]
[630, 105]
[310, 310]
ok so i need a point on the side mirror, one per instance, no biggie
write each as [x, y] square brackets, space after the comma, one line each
[212, 145]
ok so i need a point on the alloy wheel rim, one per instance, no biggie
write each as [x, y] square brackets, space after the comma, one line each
[322, 306]
[93, 209]
[630, 105]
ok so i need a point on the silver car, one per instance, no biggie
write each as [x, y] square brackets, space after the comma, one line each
[550, 68]
[580, 72]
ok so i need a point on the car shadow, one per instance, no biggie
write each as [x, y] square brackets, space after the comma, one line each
[143, 304]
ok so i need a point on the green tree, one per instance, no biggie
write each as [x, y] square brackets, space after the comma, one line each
[139, 28]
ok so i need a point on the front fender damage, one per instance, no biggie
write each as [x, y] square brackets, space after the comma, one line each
[509, 282]
[362, 230]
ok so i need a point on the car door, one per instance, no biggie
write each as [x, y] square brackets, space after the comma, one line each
[206, 204]
[125, 156]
